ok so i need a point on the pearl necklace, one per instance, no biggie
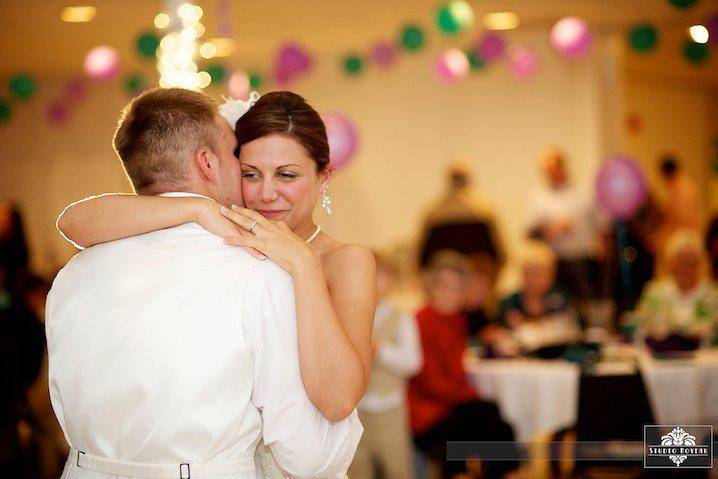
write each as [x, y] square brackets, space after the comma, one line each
[314, 235]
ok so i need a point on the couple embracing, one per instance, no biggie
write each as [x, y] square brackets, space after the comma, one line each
[212, 329]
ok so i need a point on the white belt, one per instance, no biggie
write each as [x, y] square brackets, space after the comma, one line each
[116, 467]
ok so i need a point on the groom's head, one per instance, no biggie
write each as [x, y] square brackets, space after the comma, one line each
[171, 139]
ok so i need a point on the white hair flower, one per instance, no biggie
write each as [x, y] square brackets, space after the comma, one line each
[233, 109]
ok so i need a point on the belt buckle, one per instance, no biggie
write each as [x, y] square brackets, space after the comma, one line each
[78, 458]
[182, 471]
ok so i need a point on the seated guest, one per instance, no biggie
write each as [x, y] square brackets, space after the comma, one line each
[480, 305]
[539, 314]
[685, 302]
[386, 443]
[442, 404]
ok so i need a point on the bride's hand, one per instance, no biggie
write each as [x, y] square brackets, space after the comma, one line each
[207, 214]
[272, 238]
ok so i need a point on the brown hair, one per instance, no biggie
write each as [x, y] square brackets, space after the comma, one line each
[159, 131]
[285, 113]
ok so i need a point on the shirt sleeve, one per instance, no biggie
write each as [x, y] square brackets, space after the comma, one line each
[304, 443]
[404, 356]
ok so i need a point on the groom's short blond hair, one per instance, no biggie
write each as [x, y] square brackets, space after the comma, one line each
[159, 132]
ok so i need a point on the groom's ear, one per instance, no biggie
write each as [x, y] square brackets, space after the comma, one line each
[207, 163]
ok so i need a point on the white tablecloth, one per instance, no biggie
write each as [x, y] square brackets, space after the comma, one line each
[541, 397]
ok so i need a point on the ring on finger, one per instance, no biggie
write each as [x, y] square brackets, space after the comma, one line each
[251, 227]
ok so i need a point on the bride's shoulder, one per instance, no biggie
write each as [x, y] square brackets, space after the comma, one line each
[343, 256]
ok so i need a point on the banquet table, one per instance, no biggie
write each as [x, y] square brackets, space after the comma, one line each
[541, 396]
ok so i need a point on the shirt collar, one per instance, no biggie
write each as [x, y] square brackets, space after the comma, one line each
[177, 194]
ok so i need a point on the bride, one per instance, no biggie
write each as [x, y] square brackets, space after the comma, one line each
[284, 155]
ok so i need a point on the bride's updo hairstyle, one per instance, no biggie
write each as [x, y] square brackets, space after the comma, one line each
[285, 113]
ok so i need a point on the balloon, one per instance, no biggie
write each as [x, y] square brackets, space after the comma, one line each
[681, 4]
[712, 26]
[490, 47]
[643, 38]
[56, 112]
[522, 61]
[696, 53]
[571, 37]
[452, 65]
[342, 137]
[454, 16]
[412, 38]
[291, 61]
[383, 54]
[446, 22]
[217, 72]
[102, 63]
[239, 85]
[621, 187]
[476, 63]
[76, 90]
[5, 111]
[353, 65]
[22, 86]
[256, 81]
[134, 83]
[147, 44]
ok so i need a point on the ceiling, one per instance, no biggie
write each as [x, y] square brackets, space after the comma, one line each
[34, 39]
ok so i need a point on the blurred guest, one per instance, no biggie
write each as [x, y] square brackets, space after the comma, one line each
[462, 220]
[685, 301]
[712, 246]
[539, 314]
[386, 443]
[480, 306]
[564, 216]
[443, 406]
[681, 204]
[13, 247]
[21, 352]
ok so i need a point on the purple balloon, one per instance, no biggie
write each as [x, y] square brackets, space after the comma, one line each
[490, 47]
[571, 37]
[343, 139]
[712, 26]
[522, 61]
[56, 112]
[291, 60]
[621, 187]
[384, 54]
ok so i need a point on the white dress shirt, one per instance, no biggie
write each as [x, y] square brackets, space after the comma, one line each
[172, 347]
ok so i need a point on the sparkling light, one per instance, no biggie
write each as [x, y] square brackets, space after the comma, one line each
[501, 21]
[79, 14]
[699, 33]
[208, 50]
[224, 46]
[162, 20]
[179, 51]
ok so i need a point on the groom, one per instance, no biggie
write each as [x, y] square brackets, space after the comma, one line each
[172, 354]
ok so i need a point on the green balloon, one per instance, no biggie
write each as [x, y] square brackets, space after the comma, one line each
[696, 53]
[134, 83]
[412, 38]
[217, 72]
[643, 38]
[147, 44]
[353, 65]
[22, 86]
[446, 21]
[256, 81]
[682, 3]
[476, 63]
[5, 111]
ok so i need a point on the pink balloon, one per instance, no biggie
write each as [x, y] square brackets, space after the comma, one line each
[343, 139]
[621, 187]
[452, 65]
[291, 61]
[384, 54]
[490, 47]
[76, 90]
[571, 37]
[56, 113]
[522, 61]
[102, 63]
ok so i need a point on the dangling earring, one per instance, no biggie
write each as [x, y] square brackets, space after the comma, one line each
[326, 201]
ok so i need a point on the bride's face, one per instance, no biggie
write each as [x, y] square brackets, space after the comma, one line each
[279, 179]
